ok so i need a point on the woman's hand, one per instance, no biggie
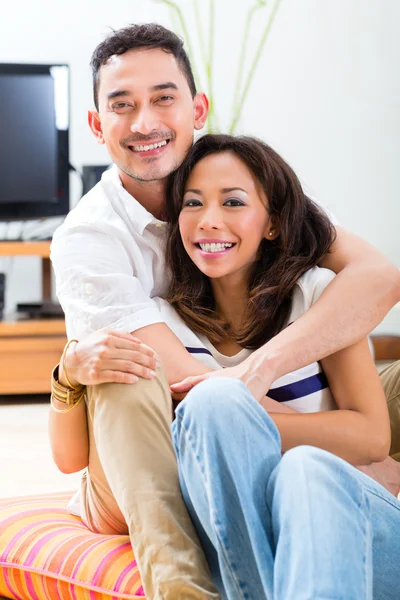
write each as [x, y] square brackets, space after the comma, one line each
[109, 357]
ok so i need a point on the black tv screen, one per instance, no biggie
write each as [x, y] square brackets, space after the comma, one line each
[34, 150]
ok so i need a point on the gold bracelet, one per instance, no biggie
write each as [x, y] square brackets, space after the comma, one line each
[65, 410]
[69, 396]
[63, 362]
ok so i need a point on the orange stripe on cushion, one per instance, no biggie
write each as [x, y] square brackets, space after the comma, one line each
[48, 554]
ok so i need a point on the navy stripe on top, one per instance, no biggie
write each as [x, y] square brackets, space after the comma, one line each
[198, 350]
[298, 389]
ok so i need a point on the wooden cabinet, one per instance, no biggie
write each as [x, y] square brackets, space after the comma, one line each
[29, 348]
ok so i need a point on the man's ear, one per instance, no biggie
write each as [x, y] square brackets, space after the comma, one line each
[95, 125]
[201, 105]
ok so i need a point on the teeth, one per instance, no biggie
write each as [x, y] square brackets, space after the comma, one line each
[215, 247]
[149, 147]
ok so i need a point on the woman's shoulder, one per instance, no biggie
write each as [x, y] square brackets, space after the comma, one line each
[308, 289]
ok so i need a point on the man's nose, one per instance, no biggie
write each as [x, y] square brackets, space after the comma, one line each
[144, 121]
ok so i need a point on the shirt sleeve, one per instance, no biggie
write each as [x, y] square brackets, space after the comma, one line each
[96, 285]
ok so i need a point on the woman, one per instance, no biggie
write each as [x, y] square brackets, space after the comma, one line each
[243, 244]
[243, 249]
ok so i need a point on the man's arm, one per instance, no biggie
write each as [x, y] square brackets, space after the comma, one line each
[366, 287]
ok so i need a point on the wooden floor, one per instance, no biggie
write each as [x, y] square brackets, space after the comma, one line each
[26, 464]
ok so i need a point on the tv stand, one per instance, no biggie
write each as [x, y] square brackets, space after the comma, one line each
[30, 347]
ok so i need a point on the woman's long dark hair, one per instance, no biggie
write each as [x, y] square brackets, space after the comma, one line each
[305, 237]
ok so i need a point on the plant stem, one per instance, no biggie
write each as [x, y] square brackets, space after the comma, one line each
[182, 23]
[254, 66]
[211, 115]
[200, 31]
[242, 53]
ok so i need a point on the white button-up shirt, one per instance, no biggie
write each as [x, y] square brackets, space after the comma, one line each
[108, 258]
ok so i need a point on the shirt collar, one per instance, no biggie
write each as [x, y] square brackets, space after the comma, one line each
[139, 216]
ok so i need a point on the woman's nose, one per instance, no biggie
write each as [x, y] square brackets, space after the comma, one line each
[211, 219]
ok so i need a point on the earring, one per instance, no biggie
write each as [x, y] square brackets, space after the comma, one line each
[270, 234]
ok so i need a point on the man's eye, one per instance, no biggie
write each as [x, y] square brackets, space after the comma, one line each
[234, 202]
[121, 107]
[191, 203]
[165, 99]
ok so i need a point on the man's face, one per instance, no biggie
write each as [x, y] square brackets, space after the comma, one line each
[146, 113]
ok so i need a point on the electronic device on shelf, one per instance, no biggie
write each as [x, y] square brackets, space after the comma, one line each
[40, 310]
[2, 293]
[34, 146]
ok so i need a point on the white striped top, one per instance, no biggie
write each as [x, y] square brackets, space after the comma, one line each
[304, 390]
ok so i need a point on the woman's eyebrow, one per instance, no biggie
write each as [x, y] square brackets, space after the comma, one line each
[194, 191]
[223, 190]
[232, 189]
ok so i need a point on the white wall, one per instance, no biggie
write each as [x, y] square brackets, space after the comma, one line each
[326, 95]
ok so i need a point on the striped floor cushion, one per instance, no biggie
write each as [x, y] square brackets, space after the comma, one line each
[48, 554]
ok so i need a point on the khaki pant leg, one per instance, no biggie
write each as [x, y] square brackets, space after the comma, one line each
[390, 378]
[131, 428]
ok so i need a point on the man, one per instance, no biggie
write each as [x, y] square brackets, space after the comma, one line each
[108, 262]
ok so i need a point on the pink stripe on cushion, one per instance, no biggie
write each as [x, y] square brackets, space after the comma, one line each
[31, 587]
[123, 574]
[108, 557]
[94, 545]
[24, 530]
[42, 542]
[10, 586]
[104, 562]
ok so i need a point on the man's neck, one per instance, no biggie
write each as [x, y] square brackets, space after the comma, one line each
[150, 194]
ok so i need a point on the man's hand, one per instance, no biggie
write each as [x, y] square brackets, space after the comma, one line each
[248, 372]
[387, 473]
[109, 357]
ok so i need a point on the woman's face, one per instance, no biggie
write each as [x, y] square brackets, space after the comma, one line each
[224, 216]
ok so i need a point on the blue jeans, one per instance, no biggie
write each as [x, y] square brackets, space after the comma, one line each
[302, 526]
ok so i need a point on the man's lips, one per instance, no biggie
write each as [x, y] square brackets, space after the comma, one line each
[150, 148]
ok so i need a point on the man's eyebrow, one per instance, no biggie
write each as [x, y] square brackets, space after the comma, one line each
[168, 85]
[117, 94]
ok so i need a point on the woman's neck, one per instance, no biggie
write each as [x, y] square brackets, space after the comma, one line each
[231, 298]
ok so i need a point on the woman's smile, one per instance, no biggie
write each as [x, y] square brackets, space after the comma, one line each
[213, 248]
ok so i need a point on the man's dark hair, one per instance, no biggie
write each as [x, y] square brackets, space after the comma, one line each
[139, 37]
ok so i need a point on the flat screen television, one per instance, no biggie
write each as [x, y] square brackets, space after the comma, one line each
[34, 147]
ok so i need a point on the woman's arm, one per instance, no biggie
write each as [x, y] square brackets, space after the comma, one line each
[69, 439]
[359, 431]
[99, 358]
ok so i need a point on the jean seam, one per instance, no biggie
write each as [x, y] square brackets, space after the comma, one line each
[233, 574]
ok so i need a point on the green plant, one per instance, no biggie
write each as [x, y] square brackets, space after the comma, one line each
[206, 46]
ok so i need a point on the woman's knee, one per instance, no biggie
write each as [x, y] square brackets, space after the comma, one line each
[221, 405]
[212, 400]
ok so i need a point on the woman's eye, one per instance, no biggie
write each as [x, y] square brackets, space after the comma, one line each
[191, 203]
[234, 202]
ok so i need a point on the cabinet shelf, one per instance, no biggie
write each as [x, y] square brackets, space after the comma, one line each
[29, 348]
